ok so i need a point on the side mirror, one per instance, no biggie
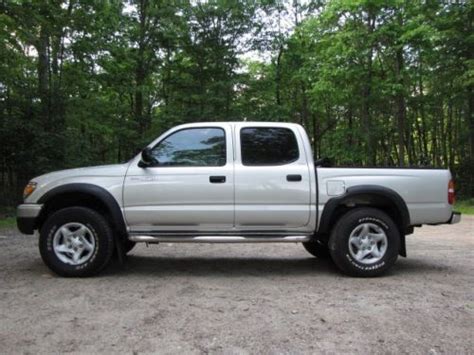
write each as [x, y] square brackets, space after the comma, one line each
[147, 158]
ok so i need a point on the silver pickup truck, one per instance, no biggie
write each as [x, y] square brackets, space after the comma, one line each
[232, 182]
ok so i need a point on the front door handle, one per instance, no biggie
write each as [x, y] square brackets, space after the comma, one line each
[216, 179]
[293, 177]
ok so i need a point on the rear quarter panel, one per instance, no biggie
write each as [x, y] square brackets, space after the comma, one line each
[423, 190]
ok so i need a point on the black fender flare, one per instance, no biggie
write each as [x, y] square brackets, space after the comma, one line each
[385, 193]
[118, 222]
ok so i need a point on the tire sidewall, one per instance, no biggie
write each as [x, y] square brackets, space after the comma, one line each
[100, 233]
[339, 242]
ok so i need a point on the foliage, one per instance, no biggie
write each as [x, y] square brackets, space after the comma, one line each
[7, 219]
[8, 222]
[465, 206]
[373, 82]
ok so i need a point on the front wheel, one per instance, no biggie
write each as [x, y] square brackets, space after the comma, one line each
[76, 241]
[365, 242]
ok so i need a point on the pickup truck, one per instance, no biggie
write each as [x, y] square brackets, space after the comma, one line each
[232, 182]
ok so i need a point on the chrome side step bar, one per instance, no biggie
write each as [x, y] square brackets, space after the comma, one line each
[218, 239]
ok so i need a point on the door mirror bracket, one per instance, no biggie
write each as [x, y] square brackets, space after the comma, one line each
[147, 158]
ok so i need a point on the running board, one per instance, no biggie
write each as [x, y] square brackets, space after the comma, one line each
[218, 239]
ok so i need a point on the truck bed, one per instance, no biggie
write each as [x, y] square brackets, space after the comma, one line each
[423, 189]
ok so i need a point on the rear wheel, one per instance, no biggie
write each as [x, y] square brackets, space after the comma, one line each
[76, 241]
[316, 249]
[365, 242]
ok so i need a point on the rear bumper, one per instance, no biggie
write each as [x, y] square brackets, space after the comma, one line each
[455, 218]
[26, 217]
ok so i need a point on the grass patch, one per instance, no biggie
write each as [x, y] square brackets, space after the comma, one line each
[7, 222]
[465, 206]
[7, 217]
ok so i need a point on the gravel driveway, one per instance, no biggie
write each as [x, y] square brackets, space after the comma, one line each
[242, 298]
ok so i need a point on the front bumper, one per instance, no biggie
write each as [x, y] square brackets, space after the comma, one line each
[455, 218]
[26, 217]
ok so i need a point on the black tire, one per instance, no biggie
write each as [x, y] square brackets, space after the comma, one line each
[317, 249]
[339, 242]
[101, 233]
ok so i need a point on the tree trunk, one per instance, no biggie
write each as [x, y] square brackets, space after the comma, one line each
[43, 76]
[139, 81]
[366, 119]
[423, 136]
[401, 108]
[304, 108]
[140, 70]
[315, 137]
[449, 134]
[470, 119]
[278, 76]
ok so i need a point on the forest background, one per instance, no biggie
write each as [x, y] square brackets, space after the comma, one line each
[375, 83]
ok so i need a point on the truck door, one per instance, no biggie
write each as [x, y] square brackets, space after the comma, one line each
[272, 178]
[191, 186]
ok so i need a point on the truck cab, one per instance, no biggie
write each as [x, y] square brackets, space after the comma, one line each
[223, 177]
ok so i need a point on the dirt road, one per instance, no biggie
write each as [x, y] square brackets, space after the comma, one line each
[268, 298]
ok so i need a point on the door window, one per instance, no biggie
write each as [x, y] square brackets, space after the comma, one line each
[268, 146]
[192, 147]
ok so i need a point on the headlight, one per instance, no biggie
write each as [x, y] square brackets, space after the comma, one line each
[29, 189]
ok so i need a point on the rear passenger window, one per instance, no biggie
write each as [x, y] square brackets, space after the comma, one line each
[268, 146]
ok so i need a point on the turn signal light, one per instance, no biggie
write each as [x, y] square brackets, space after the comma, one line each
[451, 193]
[29, 189]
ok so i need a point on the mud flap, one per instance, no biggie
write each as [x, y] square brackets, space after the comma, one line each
[119, 249]
[403, 248]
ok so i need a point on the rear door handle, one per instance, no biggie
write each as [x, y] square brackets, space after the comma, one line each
[216, 179]
[293, 177]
